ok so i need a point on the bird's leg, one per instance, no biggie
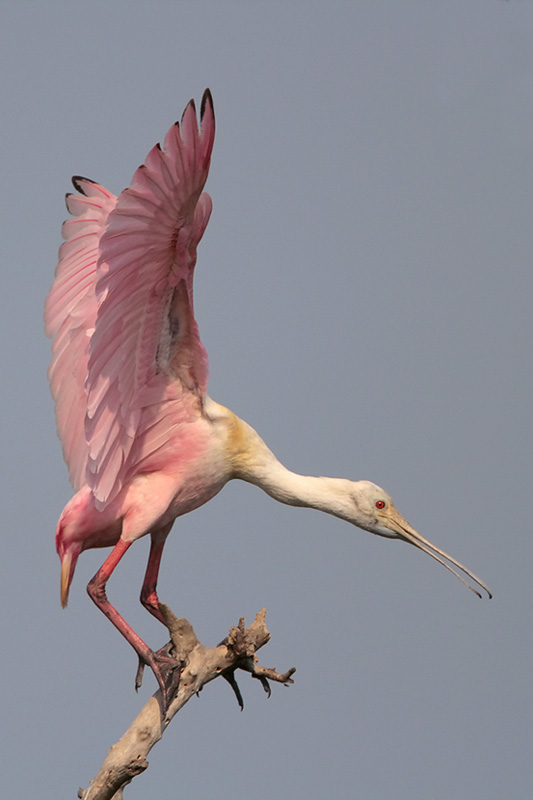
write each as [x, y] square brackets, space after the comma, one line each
[149, 597]
[150, 600]
[163, 665]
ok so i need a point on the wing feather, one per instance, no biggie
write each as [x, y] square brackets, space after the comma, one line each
[70, 316]
[128, 363]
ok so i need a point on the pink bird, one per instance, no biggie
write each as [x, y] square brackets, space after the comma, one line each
[143, 441]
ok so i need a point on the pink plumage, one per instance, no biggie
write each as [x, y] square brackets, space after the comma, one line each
[129, 372]
[143, 442]
[111, 310]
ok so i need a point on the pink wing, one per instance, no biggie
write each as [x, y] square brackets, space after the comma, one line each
[70, 317]
[126, 346]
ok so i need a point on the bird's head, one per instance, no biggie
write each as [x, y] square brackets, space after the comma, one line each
[374, 511]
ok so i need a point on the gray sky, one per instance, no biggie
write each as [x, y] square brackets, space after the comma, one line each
[364, 292]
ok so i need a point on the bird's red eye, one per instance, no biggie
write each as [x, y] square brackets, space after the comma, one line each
[380, 503]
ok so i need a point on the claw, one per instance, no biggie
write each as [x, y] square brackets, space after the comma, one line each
[167, 671]
[139, 675]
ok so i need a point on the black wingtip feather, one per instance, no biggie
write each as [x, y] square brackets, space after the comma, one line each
[76, 183]
[207, 97]
[192, 105]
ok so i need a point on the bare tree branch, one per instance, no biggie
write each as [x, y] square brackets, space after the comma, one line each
[127, 758]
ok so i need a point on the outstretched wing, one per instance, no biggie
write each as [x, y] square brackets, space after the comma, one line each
[145, 366]
[70, 317]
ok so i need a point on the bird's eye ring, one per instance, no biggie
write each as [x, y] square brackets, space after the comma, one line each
[380, 503]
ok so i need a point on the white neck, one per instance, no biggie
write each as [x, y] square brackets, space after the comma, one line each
[324, 494]
[255, 463]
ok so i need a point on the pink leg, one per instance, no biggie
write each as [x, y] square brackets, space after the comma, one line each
[149, 597]
[163, 666]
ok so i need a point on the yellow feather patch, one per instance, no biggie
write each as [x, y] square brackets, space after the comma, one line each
[243, 445]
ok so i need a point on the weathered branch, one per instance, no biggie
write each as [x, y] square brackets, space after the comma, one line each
[127, 758]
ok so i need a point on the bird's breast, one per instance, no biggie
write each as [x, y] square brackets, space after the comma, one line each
[201, 482]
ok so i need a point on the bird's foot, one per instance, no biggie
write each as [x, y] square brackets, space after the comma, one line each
[167, 671]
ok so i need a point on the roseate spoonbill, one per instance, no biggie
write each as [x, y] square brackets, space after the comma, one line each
[143, 441]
